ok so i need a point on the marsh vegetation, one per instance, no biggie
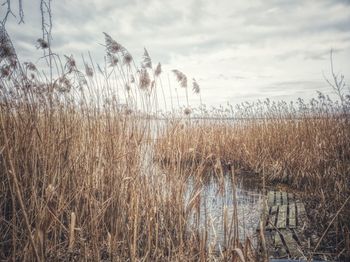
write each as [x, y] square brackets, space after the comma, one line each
[89, 173]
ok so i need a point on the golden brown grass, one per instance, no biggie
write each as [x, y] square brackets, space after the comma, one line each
[78, 183]
[75, 180]
[308, 151]
[85, 192]
[297, 152]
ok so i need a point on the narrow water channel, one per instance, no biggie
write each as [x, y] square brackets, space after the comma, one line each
[225, 210]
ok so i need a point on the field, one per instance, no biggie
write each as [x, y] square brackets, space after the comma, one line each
[84, 178]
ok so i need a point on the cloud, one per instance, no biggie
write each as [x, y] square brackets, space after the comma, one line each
[233, 48]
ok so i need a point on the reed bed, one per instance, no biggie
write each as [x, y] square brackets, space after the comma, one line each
[305, 146]
[76, 183]
[87, 173]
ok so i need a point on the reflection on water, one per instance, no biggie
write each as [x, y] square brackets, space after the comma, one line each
[216, 214]
[210, 203]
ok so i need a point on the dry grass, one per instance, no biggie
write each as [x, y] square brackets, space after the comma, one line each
[297, 152]
[75, 180]
[78, 181]
[305, 147]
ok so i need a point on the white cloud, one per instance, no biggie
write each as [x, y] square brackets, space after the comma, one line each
[235, 49]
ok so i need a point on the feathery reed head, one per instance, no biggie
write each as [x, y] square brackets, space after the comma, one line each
[30, 66]
[70, 64]
[158, 70]
[88, 71]
[195, 87]
[42, 44]
[145, 80]
[147, 62]
[181, 78]
[112, 59]
[6, 49]
[63, 84]
[127, 58]
[5, 71]
[187, 111]
[112, 46]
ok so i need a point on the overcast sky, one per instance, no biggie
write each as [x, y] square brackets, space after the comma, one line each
[237, 50]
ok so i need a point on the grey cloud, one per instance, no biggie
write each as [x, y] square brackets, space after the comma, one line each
[343, 2]
[296, 83]
[293, 87]
[264, 39]
[342, 25]
[323, 54]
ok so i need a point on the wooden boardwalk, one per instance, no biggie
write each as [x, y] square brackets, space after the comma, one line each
[285, 223]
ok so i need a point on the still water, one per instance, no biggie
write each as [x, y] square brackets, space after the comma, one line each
[224, 209]
[219, 208]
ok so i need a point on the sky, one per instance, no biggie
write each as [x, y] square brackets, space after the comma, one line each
[236, 50]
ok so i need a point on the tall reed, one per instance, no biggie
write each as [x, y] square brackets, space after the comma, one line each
[77, 182]
[305, 146]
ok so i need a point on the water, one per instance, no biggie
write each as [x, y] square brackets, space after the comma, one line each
[212, 201]
[215, 211]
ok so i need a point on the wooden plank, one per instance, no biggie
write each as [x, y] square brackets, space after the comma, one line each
[271, 198]
[286, 224]
[284, 198]
[291, 244]
[278, 198]
[269, 238]
[272, 218]
[282, 217]
[279, 246]
[278, 240]
[301, 208]
[301, 215]
[292, 216]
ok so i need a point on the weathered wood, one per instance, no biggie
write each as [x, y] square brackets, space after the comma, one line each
[282, 252]
[272, 218]
[301, 215]
[282, 217]
[284, 198]
[270, 246]
[271, 198]
[286, 222]
[278, 198]
[292, 216]
[292, 244]
[301, 208]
